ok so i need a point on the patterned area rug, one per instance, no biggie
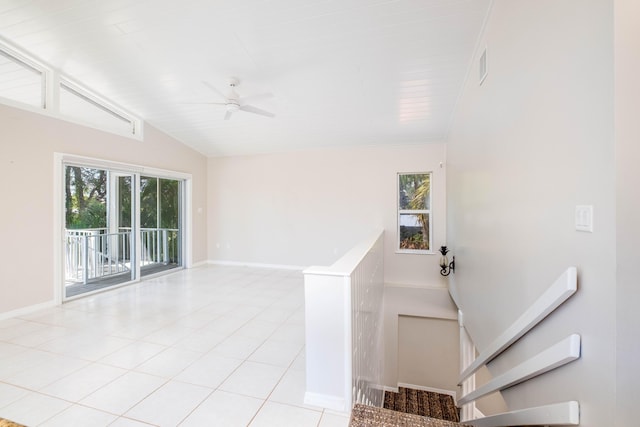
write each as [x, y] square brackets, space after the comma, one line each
[369, 416]
[7, 423]
[425, 403]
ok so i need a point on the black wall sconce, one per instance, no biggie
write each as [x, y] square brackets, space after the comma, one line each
[446, 267]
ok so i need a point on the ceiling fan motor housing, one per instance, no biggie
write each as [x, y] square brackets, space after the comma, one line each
[232, 105]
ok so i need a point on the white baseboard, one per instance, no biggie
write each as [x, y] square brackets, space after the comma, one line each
[430, 389]
[325, 401]
[27, 310]
[256, 265]
[428, 287]
[199, 264]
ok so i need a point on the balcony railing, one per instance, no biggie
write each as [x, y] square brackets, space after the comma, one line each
[96, 253]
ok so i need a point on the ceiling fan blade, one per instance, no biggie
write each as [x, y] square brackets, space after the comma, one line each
[256, 110]
[213, 88]
[250, 98]
[227, 115]
[203, 103]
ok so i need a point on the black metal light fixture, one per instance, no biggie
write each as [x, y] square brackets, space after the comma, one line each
[446, 267]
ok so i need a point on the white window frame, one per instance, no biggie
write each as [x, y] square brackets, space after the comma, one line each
[99, 102]
[50, 105]
[414, 212]
[24, 60]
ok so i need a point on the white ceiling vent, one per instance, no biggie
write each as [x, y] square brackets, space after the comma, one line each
[483, 65]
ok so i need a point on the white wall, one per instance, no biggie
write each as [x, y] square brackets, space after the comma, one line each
[310, 207]
[434, 303]
[428, 351]
[27, 143]
[526, 147]
[627, 128]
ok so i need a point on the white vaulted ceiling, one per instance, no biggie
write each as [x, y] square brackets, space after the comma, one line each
[343, 72]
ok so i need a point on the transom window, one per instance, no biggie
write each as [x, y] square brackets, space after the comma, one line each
[80, 104]
[27, 82]
[414, 212]
[21, 80]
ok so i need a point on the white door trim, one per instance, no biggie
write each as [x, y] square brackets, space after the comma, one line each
[59, 159]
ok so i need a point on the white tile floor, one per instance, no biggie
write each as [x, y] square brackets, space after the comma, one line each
[211, 346]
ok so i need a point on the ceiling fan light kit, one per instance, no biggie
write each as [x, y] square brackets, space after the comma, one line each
[232, 107]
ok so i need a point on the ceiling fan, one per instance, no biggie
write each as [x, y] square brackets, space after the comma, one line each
[233, 102]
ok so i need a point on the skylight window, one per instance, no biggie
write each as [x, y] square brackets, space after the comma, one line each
[21, 81]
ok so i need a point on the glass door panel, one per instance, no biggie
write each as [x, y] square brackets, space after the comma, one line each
[171, 217]
[98, 234]
[160, 231]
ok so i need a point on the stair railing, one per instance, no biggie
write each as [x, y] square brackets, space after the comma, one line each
[559, 354]
[343, 329]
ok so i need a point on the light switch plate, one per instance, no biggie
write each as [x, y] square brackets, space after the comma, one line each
[584, 218]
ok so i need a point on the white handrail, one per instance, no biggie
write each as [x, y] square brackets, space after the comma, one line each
[565, 286]
[564, 352]
[558, 355]
[557, 414]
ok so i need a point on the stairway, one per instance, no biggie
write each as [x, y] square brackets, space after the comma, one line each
[408, 408]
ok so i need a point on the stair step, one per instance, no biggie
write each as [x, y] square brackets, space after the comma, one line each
[369, 416]
[424, 403]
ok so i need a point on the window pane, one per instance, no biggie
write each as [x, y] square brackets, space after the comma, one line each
[148, 202]
[415, 191]
[169, 203]
[75, 104]
[19, 81]
[124, 196]
[160, 224]
[86, 198]
[414, 231]
[170, 217]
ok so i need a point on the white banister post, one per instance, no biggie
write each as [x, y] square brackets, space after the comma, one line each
[328, 340]
[85, 258]
[467, 355]
[165, 246]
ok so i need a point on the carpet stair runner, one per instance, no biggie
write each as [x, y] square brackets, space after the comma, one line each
[408, 408]
[425, 403]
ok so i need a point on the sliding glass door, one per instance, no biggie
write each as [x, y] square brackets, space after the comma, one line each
[160, 231]
[119, 226]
